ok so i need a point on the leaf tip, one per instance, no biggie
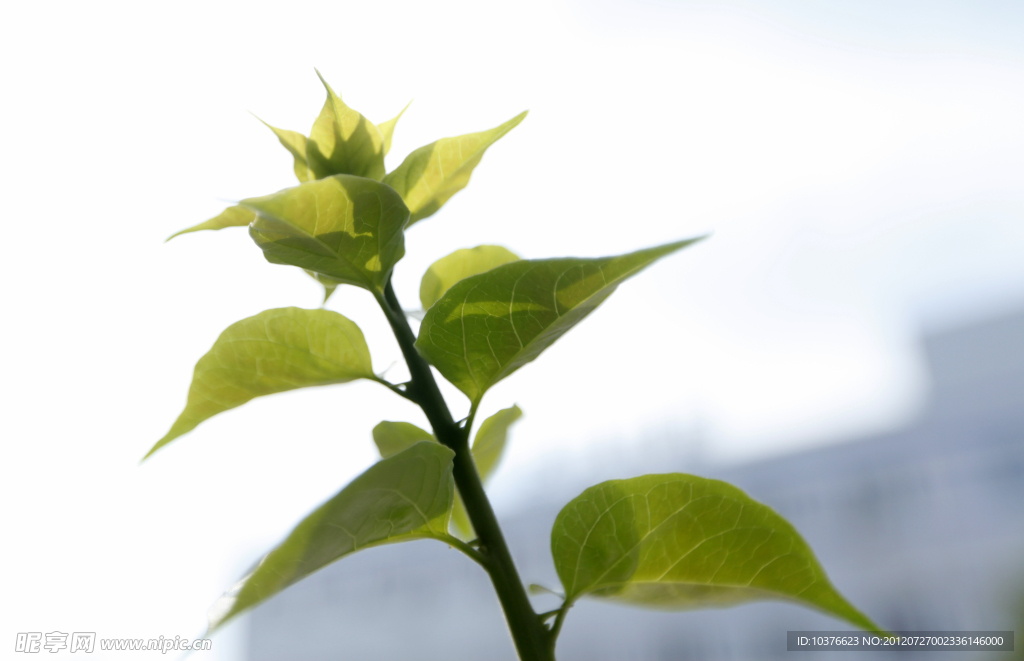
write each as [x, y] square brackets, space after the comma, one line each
[152, 451]
[330, 92]
[517, 120]
[260, 120]
[682, 243]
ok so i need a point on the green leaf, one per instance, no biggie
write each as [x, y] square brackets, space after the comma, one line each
[404, 497]
[387, 128]
[460, 265]
[488, 447]
[230, 217]
[394, 437]
[344, 142]
[463, 527]
[295, 143]
[345, 227]
[329, 284]
[489, 325]
[489, 444]
[679, 541]
[274, 351]
[430, 175]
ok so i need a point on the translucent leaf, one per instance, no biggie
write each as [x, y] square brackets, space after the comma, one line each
[463, 527]
[274, 351]
[345, 227]
[430, 175]
[489, 444]
[387, 128]
[393, 437]
[406, 496]
[329, 284]
[295, 143]
[230, 217]
[341, 142]
[487, 326]
[344, 142]
[238, 216]
[460, 265]
[679, 541]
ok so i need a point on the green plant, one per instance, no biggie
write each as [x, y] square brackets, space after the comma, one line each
[667, 541]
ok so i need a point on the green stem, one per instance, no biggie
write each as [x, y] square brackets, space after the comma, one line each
[393, 388]
[530, 636]
[455, 542]
[556, 628]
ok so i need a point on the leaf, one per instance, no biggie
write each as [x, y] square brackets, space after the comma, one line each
[404, 497]
[393, 437]
[460, 265]
[430, 175]
[388, 128]
[489, 444]
[489, 325]
[488, 447]
[679, 541]
[344, 142]
[327, 282]
[274, 351]
[463, 527]
[328, 292]
[295, 143]
[345, 227]
[230, 217]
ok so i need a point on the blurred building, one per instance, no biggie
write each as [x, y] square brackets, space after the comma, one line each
[923, 529]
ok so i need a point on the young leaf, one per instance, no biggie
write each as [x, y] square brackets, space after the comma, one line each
[274, 351]
[462, 526]
[488, 447]
[230, 217]
[679, 541]
[238, 216]
[295, 143]
[489, 325]
[489, 444]
[344, 142]
[387, 129]
[404, 497]
[460, 265]
[345, 227]
[393, 437]
[329, 284]
[432, 174]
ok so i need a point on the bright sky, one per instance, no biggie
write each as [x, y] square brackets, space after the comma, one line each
[859, 164]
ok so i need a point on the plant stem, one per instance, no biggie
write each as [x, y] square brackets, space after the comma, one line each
[455, 542]
[530, 636]
[556, 628]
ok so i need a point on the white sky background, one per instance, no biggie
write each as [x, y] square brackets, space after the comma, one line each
[862, 173]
